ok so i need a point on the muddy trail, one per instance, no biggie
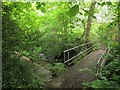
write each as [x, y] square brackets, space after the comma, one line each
[83, 71]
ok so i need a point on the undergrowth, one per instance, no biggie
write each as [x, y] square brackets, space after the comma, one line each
[109, 77]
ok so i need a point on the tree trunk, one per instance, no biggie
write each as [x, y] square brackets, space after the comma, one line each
[83, 34]
[64, 41]
[87, 30]
[118, 22]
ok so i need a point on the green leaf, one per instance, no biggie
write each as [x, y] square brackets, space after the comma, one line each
[84, 69]
[38, 5]
[103, 3]
[104, 78]
[109, 3]
[43, 9]
[94, 17]
[98, 3]
[83, 21]
[80, 13]
[71, 26]
[88, 12]
[85, 84]
[73, 10]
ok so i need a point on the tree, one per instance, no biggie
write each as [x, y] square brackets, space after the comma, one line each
[89, 21]
[118, 22]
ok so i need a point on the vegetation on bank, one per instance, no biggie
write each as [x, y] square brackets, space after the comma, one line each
[40, 32]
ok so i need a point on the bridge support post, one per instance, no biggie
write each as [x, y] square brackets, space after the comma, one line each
[68, 55]
[64, 56]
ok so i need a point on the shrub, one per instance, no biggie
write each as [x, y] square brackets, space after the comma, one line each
[20, 74]
[58, 68]
[109, 77]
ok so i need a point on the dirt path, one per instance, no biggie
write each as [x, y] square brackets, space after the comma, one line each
[84, 71]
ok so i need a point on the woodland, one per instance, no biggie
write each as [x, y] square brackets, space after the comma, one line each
[40, 42]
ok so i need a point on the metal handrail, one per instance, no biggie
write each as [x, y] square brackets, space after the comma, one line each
[102, 56]
[78, 54]
[101, 60]
[78, 46]
[69, 59]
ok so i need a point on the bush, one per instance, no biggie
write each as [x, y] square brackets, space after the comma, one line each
[109, 77]
[20, 74]
[58, 68]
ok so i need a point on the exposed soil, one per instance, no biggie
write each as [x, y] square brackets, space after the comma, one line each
[83, 71]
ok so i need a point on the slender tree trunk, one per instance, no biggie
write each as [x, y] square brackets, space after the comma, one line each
[89, 21]
[65, 35]
[118, 22]
[83, 34]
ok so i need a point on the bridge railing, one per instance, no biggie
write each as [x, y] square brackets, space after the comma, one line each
[101, 62]
[68, 51]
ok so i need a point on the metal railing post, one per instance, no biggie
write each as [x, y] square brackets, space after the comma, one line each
[68, 54]
[64, 56]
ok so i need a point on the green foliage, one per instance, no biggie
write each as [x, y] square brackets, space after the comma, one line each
[38, 83]
[20, 74]
[109, 76]
[50, 28]
[58, 67]
[104, 3]
[84, 69]
[97, 46]
[73, 10]
[85, 84]
[104, 84]
[88, 12]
